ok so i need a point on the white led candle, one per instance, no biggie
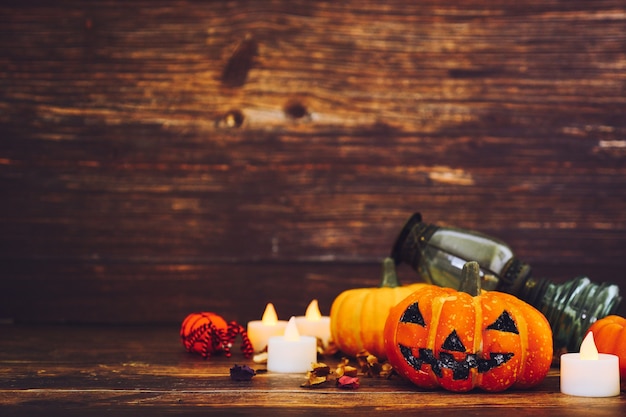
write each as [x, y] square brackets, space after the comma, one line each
[291, 353]
[314, 324]
[259, 331]
[589, 373]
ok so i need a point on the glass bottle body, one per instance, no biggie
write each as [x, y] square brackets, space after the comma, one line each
[438, 255]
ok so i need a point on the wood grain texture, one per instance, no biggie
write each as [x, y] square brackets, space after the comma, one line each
[142, 139]
[68, 370]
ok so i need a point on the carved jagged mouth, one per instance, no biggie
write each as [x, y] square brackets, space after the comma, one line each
[460, 369]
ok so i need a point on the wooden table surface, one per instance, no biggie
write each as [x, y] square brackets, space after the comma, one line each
[159, 157]
[164, 156]
[106, 370]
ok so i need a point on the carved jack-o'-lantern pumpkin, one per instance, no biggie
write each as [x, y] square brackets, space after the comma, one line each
[440, 337]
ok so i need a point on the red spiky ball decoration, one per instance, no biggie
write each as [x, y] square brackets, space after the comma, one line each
[207, 333]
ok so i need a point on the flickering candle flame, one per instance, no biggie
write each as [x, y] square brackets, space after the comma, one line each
[291, 353]
[270, 318]
[291, 331]
[314, 324]
[589, 373]
[313, 311]
[588, 349]
[259, 331]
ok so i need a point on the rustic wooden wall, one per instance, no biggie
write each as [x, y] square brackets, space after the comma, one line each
[160, 157]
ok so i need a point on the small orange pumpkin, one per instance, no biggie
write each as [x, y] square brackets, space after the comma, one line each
[357, 316]
[609, 333]
[441, 337]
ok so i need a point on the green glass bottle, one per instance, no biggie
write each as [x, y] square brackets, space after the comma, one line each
[439, 253]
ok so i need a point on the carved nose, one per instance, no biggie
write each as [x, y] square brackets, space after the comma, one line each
[453, 343]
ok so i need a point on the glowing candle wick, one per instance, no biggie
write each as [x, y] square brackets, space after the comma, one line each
[588, 349]
[313, 311]
[270, 318]
[291, 331]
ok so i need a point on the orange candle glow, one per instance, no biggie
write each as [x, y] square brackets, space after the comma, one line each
[291, 353]
[314, 324]
[259, 331]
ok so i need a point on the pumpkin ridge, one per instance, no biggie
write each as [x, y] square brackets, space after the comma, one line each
[478, 339]
[359, 313]
[366, 329]
[344, 304]
[522, 327]
[436, 306]
[362, 314]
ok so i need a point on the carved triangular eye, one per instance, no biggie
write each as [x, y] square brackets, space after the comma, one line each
[413, 315]
[504, 323]
[453, 342]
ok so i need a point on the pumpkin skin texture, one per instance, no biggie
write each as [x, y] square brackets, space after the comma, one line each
[357, 316]
[609, 333]
[440, 337]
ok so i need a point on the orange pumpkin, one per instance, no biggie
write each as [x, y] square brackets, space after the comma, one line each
[609, 333]
[357, 316]
[440, 337]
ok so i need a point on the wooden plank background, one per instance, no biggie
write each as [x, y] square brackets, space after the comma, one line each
[161, 157]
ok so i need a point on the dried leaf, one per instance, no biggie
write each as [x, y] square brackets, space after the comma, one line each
[320, 369]
[241, 373]
[368, 363]
[387, 371]
[348, 382]
[371, 367]
[318, 375]
[260, 357]
[315, 382]
[346, 375]
[343, 368]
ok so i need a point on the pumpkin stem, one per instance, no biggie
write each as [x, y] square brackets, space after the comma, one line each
[390, 278]
[470, 278]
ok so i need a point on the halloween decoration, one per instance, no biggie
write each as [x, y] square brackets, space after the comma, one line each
[441, 337]
[259, 331]
[314, 324]
[357, 316]
[348, 382]
[207, 333]
[344, 368]
[438, 254]
[291, 353]
[241, 373]
[345, 375]
[371, 367]
[318, 376]
[610, 337]
[589, 373]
